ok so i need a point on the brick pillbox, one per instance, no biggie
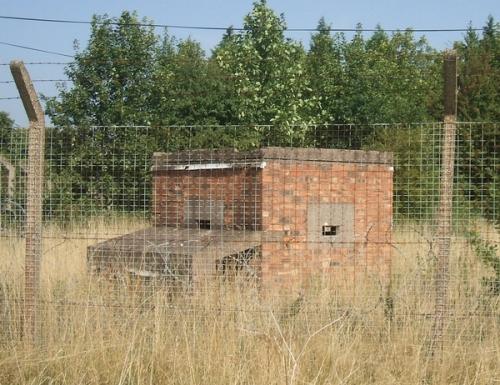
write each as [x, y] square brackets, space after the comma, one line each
[310, 212]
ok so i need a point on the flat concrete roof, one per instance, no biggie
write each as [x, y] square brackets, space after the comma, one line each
[143, 251]
[231, 158]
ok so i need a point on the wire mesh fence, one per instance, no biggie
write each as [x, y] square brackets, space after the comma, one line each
[260, 225]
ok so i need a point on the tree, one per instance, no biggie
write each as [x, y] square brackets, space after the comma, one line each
[325, 68]
[130, 87]
[382, 79]
[479, 101]
[99, 164]
[10, 157]
[268, 72]
[189, 88]
[6, 124]
[480, 74]
[191, 92]
[112, 77]
[390, 78]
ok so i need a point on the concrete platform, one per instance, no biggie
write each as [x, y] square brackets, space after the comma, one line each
[178, 253]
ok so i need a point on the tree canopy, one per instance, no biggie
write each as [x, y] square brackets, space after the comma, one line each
[129, 83]
[128, 75]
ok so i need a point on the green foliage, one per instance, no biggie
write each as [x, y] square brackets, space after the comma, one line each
[268, 72]
[328, 79]
[416, 189]
[479, 100]
[5, 141]
[13, 152]
[397, 77]
[127, 76]
[488, 254]
[392, 79]
[112, 82]
[112, 77]
[6, 124]
[189, 88]
[479, 74]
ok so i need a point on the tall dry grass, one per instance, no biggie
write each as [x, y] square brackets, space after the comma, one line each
[93, 331]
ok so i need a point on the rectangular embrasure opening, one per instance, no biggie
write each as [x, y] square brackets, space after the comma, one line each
[204, 213]
[329, 230]
[204, 224]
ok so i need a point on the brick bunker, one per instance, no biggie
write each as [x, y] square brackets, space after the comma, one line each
[280, 214]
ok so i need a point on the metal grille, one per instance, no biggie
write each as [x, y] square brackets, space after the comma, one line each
[128, 251]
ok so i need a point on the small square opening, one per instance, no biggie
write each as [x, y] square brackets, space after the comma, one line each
[204, 224]
[329, 231]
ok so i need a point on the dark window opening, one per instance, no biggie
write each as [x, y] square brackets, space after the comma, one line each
[204, 224]
[329, 230]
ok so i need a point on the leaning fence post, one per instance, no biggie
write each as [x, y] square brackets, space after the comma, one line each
[444, 214]
[34, 188]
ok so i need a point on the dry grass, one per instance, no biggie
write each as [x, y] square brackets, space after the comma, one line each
[97, 332]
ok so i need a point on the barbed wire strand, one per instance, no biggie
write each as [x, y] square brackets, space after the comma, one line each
[219, 28]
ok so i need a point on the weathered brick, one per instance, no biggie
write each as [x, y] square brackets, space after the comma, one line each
[275, 200]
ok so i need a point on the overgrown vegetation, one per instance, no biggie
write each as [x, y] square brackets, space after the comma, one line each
[487, 252]
[98, 331]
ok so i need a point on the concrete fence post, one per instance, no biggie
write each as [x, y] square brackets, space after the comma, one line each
[445, 210]
[34, 195]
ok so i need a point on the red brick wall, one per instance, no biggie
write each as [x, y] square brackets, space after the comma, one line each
[238, 188]
[276, 200]
[290, 187]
